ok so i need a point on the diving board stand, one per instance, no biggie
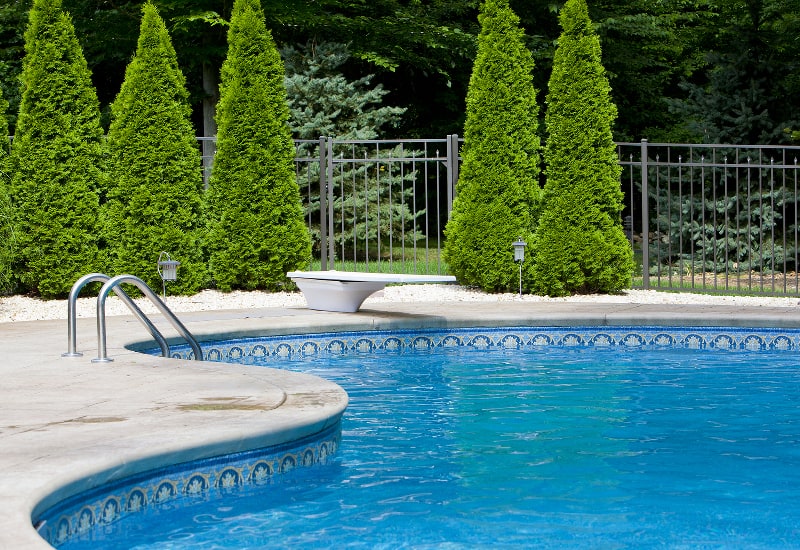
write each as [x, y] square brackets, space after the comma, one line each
[345, 291]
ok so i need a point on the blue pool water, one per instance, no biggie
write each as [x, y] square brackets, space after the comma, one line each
[546, 446]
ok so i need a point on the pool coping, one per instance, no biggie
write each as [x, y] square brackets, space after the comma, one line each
[67, 422]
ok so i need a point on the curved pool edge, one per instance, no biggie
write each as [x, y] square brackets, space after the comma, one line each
[67, 420]
[69, 425]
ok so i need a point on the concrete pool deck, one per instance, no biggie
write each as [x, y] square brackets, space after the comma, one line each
[67, 424]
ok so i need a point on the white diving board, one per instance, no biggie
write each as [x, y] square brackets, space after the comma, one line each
[345, 291]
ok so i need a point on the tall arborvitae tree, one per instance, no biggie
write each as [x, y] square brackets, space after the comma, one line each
[155, 179]
[55, 158]
[580, 246]
[256, 231]
[6, 229]
[498, 193]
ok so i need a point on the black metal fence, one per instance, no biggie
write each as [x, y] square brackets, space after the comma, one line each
[711, 218]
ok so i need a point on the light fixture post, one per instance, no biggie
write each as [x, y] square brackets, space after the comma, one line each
[519, 256]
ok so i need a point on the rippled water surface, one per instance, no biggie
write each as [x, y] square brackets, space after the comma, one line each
[546, 448]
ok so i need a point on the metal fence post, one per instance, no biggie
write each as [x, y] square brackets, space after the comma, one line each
[323, 206]
[209, 149]
[452, 170]
[645, 221]
[329, 179]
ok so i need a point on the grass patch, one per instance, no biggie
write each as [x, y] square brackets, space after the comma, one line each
[422, 261]
[732, 284]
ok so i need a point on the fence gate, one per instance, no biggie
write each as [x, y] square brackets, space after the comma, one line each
[378, 206]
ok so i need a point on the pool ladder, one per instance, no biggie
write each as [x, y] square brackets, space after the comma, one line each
[112, 284]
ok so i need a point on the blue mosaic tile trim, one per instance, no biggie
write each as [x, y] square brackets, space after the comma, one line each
[299, 347]
[87, 514]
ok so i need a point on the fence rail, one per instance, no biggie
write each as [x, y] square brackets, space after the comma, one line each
[700, 217]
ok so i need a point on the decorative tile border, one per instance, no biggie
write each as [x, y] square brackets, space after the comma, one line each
[298, 347]
[86, 514]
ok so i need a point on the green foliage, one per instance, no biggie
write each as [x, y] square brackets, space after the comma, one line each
[498, 196]
[256, 230]
[324, 102]
[369, 200]
[580, 246]
[155, 184]
[647, 47]
[13, 17]
[6, 228]
[422, 51]
[739, 104]
[747, 90]
[55, 158]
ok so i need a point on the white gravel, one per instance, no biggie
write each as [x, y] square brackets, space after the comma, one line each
[21, 308]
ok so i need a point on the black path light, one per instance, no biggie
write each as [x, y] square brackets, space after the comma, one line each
[167, 270]
[519, 256]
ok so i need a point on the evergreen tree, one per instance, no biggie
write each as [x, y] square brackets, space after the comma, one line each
[154, 166]
[580, 246]
[55, 158]
[13, 20]
[748, 91]
[498, 194]
[256, 231]
[740, 104]
[6, 229]
[324, 102]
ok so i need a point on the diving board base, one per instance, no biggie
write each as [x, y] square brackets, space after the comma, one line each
[344, 296]
[345, 291]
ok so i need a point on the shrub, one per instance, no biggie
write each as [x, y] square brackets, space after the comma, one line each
[155, 179]
[256, 232]
[55, 158]
[580, 246]
[498, 194]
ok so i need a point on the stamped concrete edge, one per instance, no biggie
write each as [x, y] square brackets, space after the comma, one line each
[72, 422]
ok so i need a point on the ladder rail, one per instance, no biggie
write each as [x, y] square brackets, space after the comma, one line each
[108, 287]
[72, 348]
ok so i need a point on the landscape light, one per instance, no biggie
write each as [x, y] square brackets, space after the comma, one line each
[167, 270]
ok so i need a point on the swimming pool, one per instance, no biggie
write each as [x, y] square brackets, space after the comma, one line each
[602, 436]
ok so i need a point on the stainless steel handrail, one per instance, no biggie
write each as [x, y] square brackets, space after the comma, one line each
[72, 348]
[110, 285]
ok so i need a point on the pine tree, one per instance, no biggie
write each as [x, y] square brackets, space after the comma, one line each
[154, 166]
[324, 102]
[256, 230]
[747, 91]
[6, 229]
[55, 158]
[498, 194]
[580, 246]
